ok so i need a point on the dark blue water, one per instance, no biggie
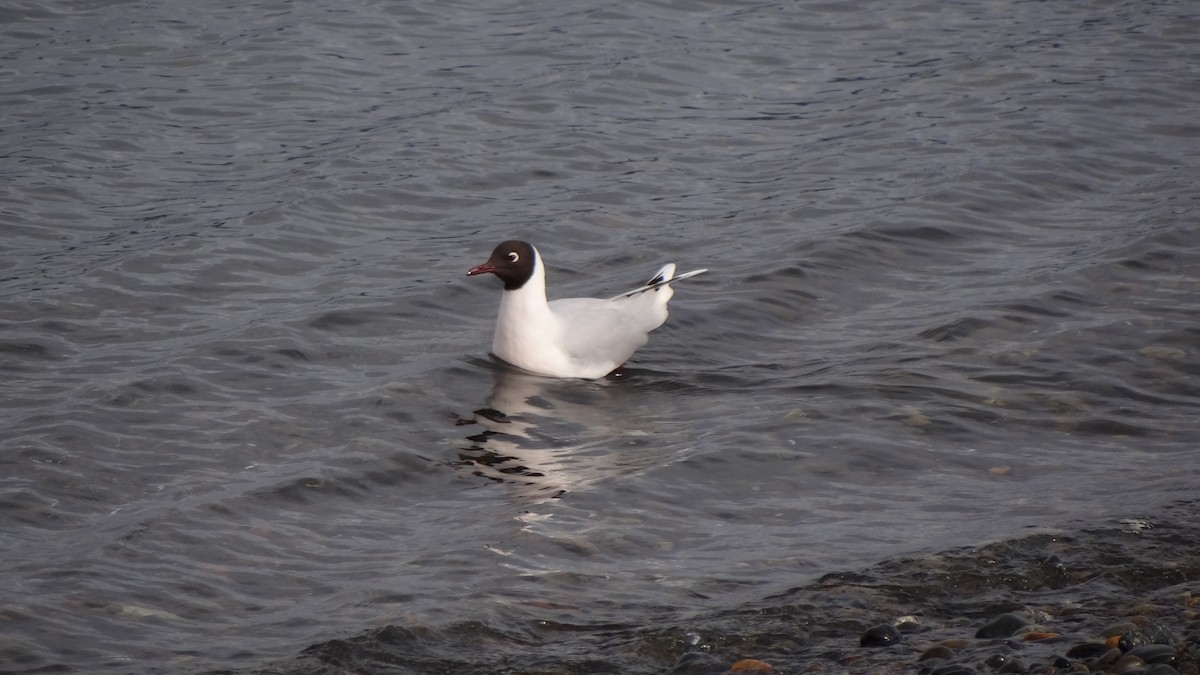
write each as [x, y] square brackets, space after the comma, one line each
[247, 405]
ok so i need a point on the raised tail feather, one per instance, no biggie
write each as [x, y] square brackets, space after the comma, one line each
[664, 277]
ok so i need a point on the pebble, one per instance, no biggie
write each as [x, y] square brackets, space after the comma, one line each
[1004, 664]
[914, 417]
[698, 663]
[883, 635]
[1002, 626]
[938, 652]
[751, 667]
[1108, 658]
[996, 661]
[1131, 634]
[1156, 653]
[953, 669]
[136, 612]
[1162, 353]
[956, 643]
[1087, 650]
[1125, 664]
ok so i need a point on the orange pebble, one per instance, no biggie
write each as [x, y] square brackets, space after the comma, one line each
[1034, 636]
[751, 666]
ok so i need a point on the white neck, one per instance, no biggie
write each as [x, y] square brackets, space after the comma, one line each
[522, 309]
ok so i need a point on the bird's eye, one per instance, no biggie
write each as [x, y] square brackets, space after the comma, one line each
[513, 257]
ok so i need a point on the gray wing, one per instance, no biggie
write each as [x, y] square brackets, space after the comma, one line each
[610, 331]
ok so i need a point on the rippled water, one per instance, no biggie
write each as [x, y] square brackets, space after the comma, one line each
[247, 405]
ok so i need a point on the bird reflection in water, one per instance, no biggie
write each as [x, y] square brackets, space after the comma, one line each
[542, 437]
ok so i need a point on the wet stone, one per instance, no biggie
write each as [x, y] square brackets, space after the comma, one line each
[1002, 626]
[849, 659]
[1088, 650]
[1131, 635]
[1118, 629]
[1109, 657]
[939, 652]
[996, 661]
[1126, 664]
[1160, 669]
[698, 663]
[1002, 663]
[953, 669]
[1156, 653]
[1162, 353]
[751, 667]
[956, 643]
[883, 635]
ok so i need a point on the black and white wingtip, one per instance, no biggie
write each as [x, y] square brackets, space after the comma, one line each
[661, 279]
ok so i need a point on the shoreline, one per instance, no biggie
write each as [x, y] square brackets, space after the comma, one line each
[1120, 597]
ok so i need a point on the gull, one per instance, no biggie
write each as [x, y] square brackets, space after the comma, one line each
[571, 337]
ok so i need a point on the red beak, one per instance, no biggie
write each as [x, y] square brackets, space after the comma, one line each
[480, 269]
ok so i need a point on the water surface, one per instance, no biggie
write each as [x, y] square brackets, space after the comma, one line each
[247, 401]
